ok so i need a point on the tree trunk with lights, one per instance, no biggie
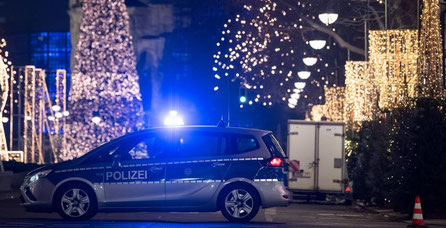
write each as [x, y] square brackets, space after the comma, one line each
[105, 100]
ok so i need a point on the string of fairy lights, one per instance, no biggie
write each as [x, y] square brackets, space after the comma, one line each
[4, 86]
[261, 50]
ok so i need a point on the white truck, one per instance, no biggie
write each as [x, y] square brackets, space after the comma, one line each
[317, 167]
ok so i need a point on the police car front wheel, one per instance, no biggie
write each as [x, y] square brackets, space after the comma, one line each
[239, 204]
[76, 203]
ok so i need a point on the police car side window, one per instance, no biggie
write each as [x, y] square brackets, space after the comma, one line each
[201, 144]
[245, 143]
[144, 149]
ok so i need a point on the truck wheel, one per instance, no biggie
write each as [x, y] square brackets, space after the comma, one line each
[76, 202]
[239, 204]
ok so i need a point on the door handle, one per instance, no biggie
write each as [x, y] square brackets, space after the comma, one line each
[218, 164]
[155, 168]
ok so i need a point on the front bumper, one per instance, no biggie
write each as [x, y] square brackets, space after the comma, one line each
[37, 196]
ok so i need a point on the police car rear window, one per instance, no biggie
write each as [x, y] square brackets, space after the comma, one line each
[273, 146]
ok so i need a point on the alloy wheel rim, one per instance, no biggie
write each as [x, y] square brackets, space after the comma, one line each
[239, 203]
[75, 202]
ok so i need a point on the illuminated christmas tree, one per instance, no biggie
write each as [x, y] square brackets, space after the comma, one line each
[104, 99]
[431, 60]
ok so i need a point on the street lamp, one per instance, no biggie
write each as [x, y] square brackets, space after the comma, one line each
[304, 74]
[96, 119]
[58, 115]
[298, 90]
[309, 61]
[317, 44]
[292, 101]
[300, 85]
[295, 96]
[328, 18]
[56, 108]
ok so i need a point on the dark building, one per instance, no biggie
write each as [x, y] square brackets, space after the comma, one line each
[37, 33]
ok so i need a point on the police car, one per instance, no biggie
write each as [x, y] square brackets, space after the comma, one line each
[193, 168]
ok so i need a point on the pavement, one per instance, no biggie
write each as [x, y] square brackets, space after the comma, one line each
[5, 195]
[389, 213]
[296, 215]
[316, 214]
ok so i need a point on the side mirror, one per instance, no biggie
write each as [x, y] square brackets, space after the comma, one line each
[116, 160]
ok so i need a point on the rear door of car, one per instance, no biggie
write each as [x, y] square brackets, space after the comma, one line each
[199, 166]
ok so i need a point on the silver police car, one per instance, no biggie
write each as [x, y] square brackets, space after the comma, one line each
[194, 168]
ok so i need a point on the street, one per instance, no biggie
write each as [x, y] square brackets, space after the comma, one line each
[296, 215]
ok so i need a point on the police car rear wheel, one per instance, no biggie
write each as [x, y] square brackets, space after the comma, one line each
[240, 205]
[76, 203]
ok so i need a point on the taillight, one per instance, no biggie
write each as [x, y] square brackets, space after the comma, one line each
[275, 162]
[348, 189]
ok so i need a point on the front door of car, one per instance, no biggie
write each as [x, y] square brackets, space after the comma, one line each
[136, 176]
[199, 167]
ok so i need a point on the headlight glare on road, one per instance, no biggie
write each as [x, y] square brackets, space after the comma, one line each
[39, 175]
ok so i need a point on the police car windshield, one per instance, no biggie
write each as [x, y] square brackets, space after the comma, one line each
[108, 148]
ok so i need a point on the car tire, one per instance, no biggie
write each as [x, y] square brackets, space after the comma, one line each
[239, 203]
[75, 202]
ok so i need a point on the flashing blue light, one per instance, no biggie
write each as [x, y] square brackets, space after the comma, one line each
[173, 119]
[242, 99]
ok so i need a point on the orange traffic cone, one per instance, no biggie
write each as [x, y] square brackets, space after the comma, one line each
[417, 219]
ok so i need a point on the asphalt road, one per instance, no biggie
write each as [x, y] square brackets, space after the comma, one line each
[296, 215]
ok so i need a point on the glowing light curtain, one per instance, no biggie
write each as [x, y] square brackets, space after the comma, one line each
[360, 93]
[393, 61]
[334, 102]
[318, 111]
[104, 79]
[333, 109]
[431, 55]
[4, 89]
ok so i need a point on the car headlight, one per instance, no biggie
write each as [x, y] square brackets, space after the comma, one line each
[39, 175]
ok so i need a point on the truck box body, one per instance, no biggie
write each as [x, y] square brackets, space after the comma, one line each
[318, 147]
